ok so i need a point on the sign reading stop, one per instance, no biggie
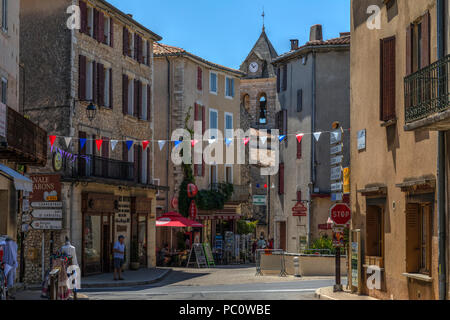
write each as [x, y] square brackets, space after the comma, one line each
[340, 213]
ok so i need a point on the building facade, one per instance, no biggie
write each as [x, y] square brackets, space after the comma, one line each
[191, 89]
[394, 170]
[313, 92]
[105, 163]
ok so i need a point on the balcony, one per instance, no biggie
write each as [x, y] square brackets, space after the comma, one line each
[240, 193]
[427, 98]
[25, 143]
[103, 168]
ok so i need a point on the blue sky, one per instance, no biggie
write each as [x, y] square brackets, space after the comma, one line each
[224, 31]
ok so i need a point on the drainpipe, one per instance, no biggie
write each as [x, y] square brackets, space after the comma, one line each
[441, 165]
[169, 104]
[313, 145]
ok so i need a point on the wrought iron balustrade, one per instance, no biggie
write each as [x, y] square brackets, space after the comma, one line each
[98, 167]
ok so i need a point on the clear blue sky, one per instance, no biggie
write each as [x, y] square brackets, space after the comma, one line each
[224, 31]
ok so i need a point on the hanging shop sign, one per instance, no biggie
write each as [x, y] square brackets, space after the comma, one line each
[46, 188]
[47, 213]
[57, 161]
[299, 210]
[259, 200]
[193, 210]
[174, 203]
[192, 190]
[47, 225]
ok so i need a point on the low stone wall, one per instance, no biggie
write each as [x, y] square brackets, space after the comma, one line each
[309, 265]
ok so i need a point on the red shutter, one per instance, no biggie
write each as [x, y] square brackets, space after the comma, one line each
[83, 16]
[387, 109]
[149, 103]
[82, 151]
[409, 45]
[125, 94]
[111, 32]
[124, 151]
[299, 149]
[199, 78]
[96, 24]
[196, 166]
[111, 95]
[126, 45]
[149, 166]
[136, 99]
[425, 56]
[203, 132]
[101, 84]
[281, 179]
[101, 27]
[82, 78]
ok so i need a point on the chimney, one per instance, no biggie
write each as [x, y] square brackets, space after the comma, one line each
[316, 33]
[294, 44]
[130, 15]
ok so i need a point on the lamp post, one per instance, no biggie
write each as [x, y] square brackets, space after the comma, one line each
[91, 109]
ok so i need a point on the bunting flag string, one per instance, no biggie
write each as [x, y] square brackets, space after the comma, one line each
[129, 144]
[300, 137]
[114, 144]
[67, 140]
[263, 139]
[99, 143]
[161, 144]
[145, 144]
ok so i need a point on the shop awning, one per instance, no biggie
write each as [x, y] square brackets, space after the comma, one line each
[227, 217]
[176, 220]
[21, 183]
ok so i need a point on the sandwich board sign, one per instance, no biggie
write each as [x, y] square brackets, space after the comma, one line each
[200, 259]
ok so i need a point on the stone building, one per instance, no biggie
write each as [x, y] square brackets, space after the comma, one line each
[23, 144]
[105, 167]
[313, 92]
[191, 89]
[396, 111]
[259, 106]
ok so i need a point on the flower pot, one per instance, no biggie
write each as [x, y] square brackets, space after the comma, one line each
[134, 265]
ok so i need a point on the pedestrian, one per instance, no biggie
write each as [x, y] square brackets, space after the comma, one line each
[270, 246]
[262, 243]
[119, 254]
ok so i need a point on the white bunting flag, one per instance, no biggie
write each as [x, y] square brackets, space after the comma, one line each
[211, 141]
[263, 139]
[317, 135]
[114, 144]
[68, 140]
[161, 144]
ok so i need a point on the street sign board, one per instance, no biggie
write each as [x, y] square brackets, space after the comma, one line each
[336, 173]
[47, 213]
[336, 137]
[47, 225]
[259, 200]
[337, 160]
[340, 213]
[336, 187]
[336, 149]
[337, 196]
[25, 227]
[361, 140]
[25, 205]
[56, 204]
[26, 218]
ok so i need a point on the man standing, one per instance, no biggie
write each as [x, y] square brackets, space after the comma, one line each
[119, 253]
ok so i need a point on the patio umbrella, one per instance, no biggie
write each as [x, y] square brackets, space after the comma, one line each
[176, 220]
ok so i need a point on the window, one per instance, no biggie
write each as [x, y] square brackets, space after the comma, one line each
[144, 102]
[199, 115]
[157, 182]
[228, 125]
[213, 175]
[131, 97]
[282, 122]
[263, 109]
[107, 88]
[374, 231]
[246, 102]
[213, 82]
[285, 77]
[145, 52]
[387, 73]
[90, 80]
[229, 87]
[199, 79]
[90, 21]
[278, 79]
[5, 15]
[299, 100]
[4, 91]
[418, 45]
[107, 31]
[229, 174]
[131, 48]
[213, 123]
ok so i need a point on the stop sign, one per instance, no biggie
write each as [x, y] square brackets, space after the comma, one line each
[340, 213]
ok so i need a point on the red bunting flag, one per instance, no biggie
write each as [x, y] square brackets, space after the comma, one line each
[300, 137]
[52, 140]
[246, 140]
[145, 144]
[193, 143]
[99, 143]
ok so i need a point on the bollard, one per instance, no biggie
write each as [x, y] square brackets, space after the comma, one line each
[297, 267]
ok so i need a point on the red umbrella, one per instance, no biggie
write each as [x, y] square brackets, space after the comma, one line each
[176, 220]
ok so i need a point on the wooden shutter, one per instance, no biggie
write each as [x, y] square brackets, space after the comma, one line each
[124, 152]
[125, 94]
[136, 108]
[101, 84]
[82, 151]
[425, 54]
[412, 238]
[101, 27]
[199, 78]
[299, 149]
[281, 179]
[196, 118]
[111, 32]
[126, 45]
[373, 229]
[140, 104]
[96, 25]
[111, 95]
[203, 133]
[387, 108]
[149, 103]
[136, 46]
[148, 52]
[83, 16]
[149, 166]
[285, 77]
[82, 78]
[299, 100]
[94, 82]
[409, 45]
[278, 79]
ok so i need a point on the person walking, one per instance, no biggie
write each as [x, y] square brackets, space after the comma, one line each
[119, 254]
[262, 243]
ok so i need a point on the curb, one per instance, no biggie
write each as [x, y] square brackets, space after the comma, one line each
[322, 296]
[126, 284]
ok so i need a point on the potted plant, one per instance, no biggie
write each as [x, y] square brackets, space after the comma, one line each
[134, 262]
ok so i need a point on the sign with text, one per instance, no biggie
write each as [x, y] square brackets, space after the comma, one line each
[336, 149]
[46, 188]
[47, 213]
[336, 173]
[362, 140]
[336, 137]
[259, 200]
[57, 204]
[337, 160]
[299, 210]
[340, 214]
[47, 225]
[346, 180]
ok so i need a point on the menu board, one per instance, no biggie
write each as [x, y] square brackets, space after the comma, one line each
[208, 254]
[200, 255]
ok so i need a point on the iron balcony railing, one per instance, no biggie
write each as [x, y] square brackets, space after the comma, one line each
[98, 167]
[427, 91]
[240, 193]
[26, 142]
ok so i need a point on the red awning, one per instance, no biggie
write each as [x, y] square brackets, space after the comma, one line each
[176, 220]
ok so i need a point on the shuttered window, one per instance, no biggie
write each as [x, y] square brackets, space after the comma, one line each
[82, 78]
[387, 85]
[285, 77]
[199, 78]
[412, 238]
[137, 111]
[101, 84]
[278, 79]
[126, 45]
[125, 94]
[197, 117]
[281, 179]
[83, 17]
[149, 103]
[374, 231]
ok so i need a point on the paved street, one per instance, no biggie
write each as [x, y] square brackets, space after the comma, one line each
[221, 283]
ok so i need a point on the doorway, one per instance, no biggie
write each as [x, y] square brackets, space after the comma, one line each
[106, 248]
[282, 226]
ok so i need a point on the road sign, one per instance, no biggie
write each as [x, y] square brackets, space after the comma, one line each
[336, 149]
[25, 227]
[336, 173]
[47, 213]
[259, 200]
[337, 196]
[336, 137]
[56, 204]
[336, 160]
[25, 205]
[26, 218]
[299, 210]
[340, 213]
[336, 187]
[47, 225]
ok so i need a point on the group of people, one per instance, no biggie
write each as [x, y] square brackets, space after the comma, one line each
[262, 243]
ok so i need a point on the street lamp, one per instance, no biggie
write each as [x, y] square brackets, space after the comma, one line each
[91, 111]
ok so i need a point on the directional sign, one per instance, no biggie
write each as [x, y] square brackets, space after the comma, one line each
[47, 213]
[259, 200]
[56, 204]
[336, 187]
[26, 218]
[47, 225]
[337, 197]
[336, 173]
[337, 160]
[336, 137]
[336, 149]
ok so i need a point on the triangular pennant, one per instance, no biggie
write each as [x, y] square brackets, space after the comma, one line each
[228, 141]
[282, 137]
[129, 144]
[246, 141]
[317, 135]
[161, 144]
[52, 140]
[263, 139]
[67, 140]
[177, 143]
[300, 137]
[82, 143]
[98, 142]
[145, 144]
[114, 144]
[193, 143]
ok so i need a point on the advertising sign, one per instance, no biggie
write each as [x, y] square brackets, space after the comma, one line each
[346, 180]
[3, 119]
[338, 238]
[193, 210]
[46, 188]
[299, 210]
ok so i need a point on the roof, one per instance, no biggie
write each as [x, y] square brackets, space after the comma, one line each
[342, 41]
[164, 50]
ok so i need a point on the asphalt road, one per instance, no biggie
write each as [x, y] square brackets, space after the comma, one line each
[233, 283]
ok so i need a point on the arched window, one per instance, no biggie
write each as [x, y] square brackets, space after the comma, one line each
[263, 109]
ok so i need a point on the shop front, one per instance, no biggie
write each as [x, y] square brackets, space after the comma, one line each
[140, 216]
